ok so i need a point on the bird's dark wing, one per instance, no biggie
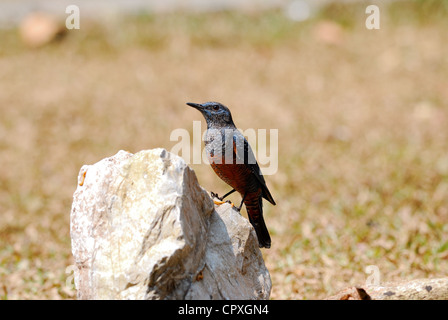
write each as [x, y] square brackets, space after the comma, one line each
[257, 172]
[243, 154]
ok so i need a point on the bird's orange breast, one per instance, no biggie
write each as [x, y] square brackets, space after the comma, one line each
[238, 176]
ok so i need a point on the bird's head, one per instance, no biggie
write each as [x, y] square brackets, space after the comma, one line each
[215, 113]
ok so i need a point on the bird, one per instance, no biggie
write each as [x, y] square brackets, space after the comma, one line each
[232, 159]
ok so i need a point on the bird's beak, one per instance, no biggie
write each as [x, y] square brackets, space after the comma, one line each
[195, 105]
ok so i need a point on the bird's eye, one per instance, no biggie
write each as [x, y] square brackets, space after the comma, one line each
[215, 108]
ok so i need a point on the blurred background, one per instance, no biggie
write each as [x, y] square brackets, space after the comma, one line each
[362, 117]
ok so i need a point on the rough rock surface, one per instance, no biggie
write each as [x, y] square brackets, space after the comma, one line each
[143, 228]
[418, 289]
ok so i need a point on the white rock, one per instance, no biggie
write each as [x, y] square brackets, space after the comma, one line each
[143, 228]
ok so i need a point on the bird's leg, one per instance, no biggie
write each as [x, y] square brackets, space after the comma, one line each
[214, 195]
[242, 202]
[227, 194]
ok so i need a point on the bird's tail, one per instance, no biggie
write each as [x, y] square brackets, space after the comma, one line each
[254, 207]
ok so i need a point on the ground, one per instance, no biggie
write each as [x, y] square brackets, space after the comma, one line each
[361, 114]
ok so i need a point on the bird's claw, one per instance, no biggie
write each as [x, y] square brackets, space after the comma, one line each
[220, 200]
[215, 195]
[217, 202]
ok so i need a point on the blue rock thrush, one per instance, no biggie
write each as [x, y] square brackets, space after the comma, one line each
[232, 159]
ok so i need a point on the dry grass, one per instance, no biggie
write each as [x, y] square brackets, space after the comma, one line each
[362, 118]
